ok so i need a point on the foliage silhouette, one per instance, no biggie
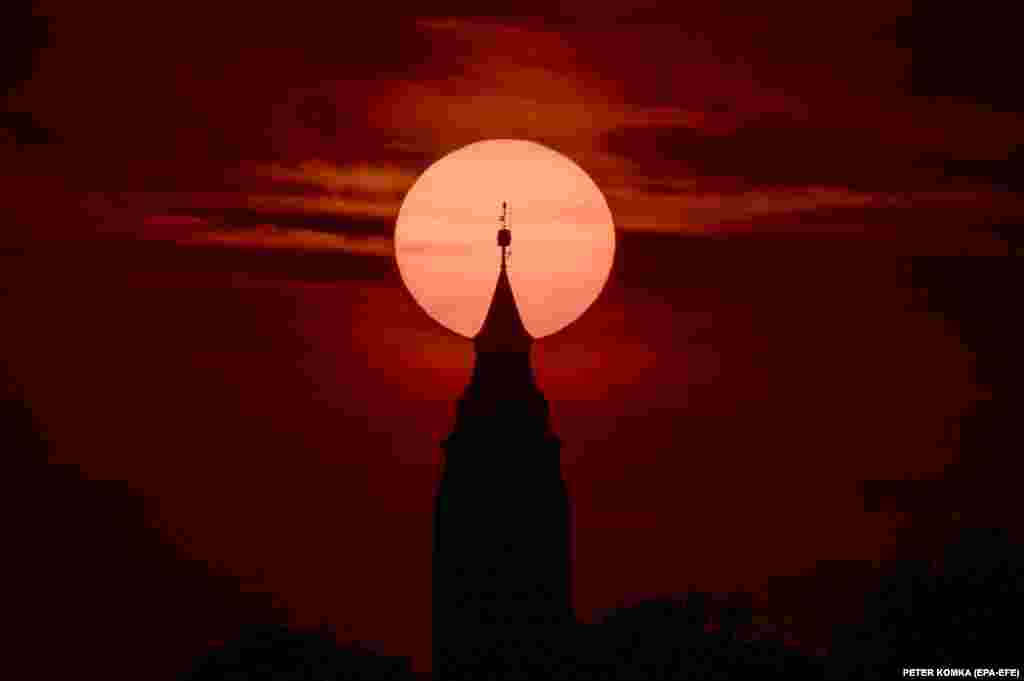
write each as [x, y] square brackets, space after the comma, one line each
[959, 611]
[277, 652]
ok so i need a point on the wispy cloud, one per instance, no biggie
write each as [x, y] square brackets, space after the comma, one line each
[685, 125]
[269, 236]
[319, 187]
[499, 80]
[194, 230]
[362, 178]
[326, 205]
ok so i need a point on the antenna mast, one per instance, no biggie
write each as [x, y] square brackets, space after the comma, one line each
[504, 234]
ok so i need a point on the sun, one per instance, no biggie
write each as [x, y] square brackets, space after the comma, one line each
[563, 236]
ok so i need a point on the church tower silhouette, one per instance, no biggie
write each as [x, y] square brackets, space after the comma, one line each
[501, 565]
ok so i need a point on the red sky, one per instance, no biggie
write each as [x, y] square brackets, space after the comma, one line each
[201, 296]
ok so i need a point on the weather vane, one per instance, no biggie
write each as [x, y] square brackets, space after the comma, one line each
[504, 234]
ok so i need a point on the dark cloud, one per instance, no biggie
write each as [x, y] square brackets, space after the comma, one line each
[321, 222]
[21, 129]
[969, 52]
[24, 32]
[1003, 173]
[117, 264]
[781, 149]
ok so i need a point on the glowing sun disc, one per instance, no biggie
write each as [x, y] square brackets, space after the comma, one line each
[563, 237]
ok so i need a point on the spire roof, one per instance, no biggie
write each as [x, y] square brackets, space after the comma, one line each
[503, 329]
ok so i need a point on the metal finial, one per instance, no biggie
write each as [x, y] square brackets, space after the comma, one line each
[504, 234]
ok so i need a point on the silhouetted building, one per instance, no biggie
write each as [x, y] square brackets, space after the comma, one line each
[501, 573]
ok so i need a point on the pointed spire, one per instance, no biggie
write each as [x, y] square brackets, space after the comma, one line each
[503, 329]
[502, 389]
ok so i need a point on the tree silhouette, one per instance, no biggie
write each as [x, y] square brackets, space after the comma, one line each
[962, 610]
[698, 637]
[279, 653]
